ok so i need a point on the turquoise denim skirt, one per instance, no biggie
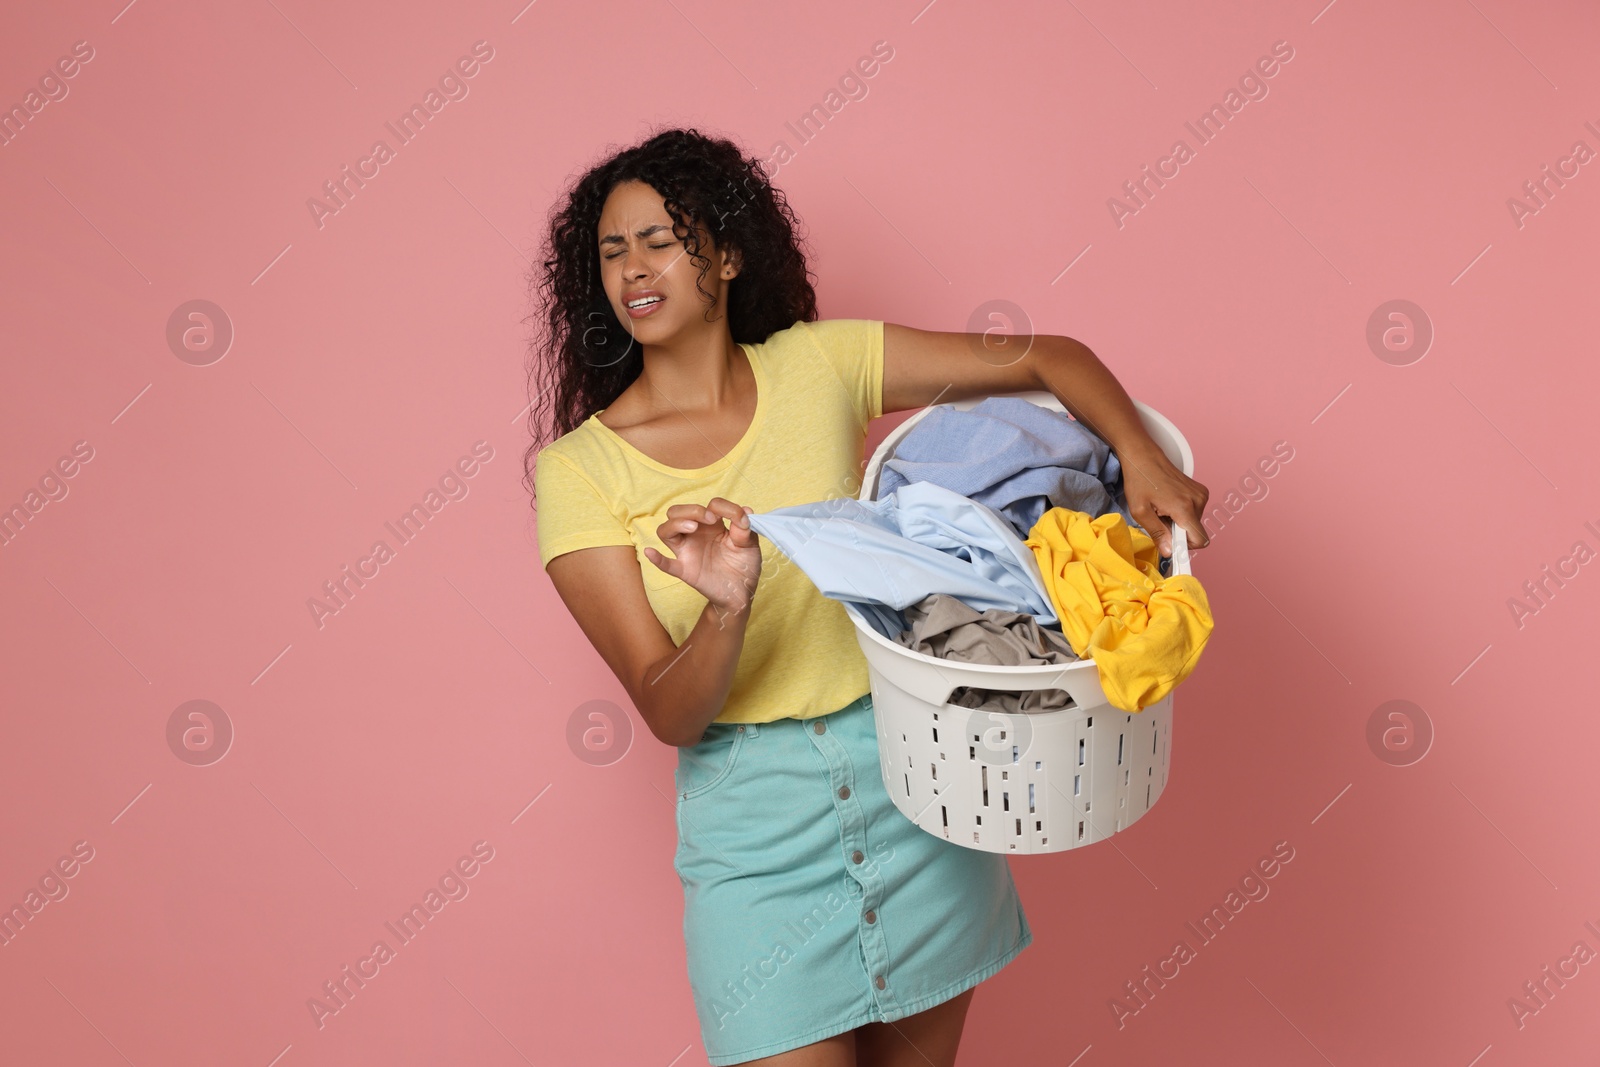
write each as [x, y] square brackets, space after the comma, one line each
[812, 905]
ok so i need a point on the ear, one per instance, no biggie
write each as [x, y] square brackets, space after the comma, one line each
[732, 263]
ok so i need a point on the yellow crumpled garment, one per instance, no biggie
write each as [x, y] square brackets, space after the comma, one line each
[1145, 632]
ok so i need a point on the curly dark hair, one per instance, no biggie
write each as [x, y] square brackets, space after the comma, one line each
[584, 357]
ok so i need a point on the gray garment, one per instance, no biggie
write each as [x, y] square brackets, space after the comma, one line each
[945, 627]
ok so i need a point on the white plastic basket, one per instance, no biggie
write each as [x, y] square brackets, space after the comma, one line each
[1026, 783]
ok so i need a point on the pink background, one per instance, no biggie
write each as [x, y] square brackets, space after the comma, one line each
[370, 353]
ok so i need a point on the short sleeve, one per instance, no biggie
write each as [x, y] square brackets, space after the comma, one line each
[854, 349]
[571, 512]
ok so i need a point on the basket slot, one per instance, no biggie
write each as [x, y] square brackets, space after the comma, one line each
[911, 708]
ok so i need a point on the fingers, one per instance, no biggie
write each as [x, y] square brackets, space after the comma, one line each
[670, 566]
[1195, 522]
[674, 531]
[713, 511]
[678, 513]
[1187, 511]
[738, 519]
[1196, 529]
[739, 531]
[683, 520]
[727, 509]
[1148, 517]
[1185, 515]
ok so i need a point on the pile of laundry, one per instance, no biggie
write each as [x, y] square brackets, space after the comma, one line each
[1000, 534]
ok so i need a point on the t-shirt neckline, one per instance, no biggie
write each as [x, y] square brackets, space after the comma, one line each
[743, 445]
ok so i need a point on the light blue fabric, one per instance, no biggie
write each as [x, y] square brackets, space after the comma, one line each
[882, 555]
[1015, 456]
[811, 905]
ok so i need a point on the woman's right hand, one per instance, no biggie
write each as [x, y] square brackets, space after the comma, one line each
[721, 563]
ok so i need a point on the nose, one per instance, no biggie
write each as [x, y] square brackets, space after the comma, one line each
[633, 266]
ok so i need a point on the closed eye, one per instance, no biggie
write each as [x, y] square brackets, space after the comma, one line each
[614, 255]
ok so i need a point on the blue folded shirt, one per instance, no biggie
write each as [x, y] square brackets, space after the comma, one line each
[1015, 456]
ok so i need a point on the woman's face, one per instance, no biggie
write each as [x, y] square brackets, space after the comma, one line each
[642, 264]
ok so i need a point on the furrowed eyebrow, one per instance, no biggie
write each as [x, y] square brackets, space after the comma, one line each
[617, 239]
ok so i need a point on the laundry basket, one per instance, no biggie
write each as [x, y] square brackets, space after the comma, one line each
[1025, 783]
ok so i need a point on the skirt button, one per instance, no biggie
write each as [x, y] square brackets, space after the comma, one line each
[857, 856]
[817, 727]
[872, 916]
[844, 792]
[879, 981]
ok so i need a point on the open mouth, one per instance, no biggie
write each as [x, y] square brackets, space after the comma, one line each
[644, 305]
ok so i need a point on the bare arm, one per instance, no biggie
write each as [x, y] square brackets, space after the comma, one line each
[678, 690]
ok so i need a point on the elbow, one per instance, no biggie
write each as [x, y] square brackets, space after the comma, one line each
[675, 736]
[1048, 356]
[1069, 347]
[667, 737]
[666, 733]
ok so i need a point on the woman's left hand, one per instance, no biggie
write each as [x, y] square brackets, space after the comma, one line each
[1156, 489]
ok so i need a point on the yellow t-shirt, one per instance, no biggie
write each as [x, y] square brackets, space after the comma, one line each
[818, 385]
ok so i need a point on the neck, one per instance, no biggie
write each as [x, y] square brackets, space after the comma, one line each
[692, 373]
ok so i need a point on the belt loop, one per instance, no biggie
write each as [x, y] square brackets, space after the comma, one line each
[752, 729]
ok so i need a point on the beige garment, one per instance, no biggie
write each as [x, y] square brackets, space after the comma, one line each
[945, 627]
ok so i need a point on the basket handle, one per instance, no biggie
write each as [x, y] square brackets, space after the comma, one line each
[1180, 550]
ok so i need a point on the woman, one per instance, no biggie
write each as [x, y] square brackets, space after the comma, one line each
[691, 385]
